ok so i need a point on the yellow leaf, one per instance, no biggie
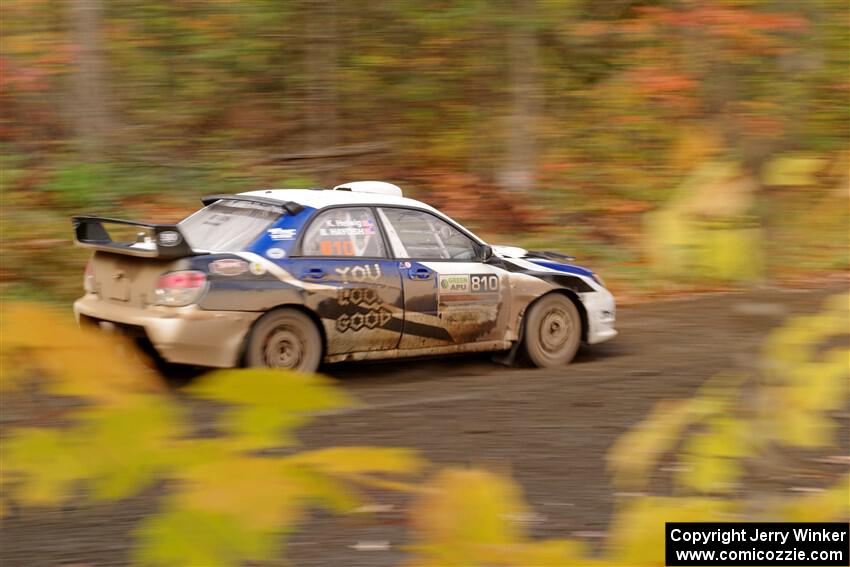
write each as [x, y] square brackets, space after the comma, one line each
[257, 490]
[465, 514]
[44, 465]
[193, 538]
[268, 404]
[634, 453]
[831, 505]
[128, 446]
[77, 362]
[637, 532]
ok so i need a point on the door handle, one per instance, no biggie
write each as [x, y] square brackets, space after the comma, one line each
[420, 273]
[313, 274]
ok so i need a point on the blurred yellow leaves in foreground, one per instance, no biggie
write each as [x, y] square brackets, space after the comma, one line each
[120, 430]
[233, 497]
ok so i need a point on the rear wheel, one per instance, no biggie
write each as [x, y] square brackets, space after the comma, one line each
[552, 331]
[285, 338]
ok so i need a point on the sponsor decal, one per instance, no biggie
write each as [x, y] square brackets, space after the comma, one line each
[169, 238]
[257, 268]
[371, 319]
[456, 283]
[374, 316]
[359, 273]
[471, 286]
[275, 253]
[358, 296]
[228, 267]
[404, 265]
[282, 233]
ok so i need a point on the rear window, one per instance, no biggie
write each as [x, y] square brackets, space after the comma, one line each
[228, 225]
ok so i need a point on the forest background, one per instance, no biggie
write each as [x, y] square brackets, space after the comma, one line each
[671, 145]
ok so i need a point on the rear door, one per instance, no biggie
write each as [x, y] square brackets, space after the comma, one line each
[361, 307]
[450, 297]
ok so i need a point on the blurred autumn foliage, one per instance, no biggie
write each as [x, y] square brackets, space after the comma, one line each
[235, 496]
[116, 430]
[665, 142]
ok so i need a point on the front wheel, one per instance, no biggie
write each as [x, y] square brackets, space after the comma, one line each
[285, 338]
[552, 331]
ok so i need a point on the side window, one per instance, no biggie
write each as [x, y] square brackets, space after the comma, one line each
[417, 234]
[344, 232]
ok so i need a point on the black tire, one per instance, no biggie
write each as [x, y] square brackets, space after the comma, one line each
[552, 331]
[284, 338]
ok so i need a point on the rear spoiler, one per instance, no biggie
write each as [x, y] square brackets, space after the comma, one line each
[290, 207]
[161, 241]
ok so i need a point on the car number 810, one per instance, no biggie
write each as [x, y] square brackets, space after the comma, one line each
[485, 283]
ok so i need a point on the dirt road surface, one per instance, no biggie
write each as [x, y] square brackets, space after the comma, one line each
[551, 429]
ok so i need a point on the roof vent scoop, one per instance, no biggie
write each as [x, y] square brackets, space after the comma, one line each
[378, 187]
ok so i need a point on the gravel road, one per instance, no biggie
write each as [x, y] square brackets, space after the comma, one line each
[551, 429]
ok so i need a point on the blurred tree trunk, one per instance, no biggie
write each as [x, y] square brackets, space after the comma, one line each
[323, 68]
[521, 167]
[90, 108]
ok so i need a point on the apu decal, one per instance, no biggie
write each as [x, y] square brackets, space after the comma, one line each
[282, 233]
[454, 284]
[359, 273]
[469, 284]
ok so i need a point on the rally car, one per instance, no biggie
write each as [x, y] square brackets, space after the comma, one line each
[291, 278]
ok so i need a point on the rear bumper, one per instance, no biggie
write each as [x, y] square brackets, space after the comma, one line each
[184, 335]
[601, 316]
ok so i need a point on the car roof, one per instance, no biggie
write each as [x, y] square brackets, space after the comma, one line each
[320, 198]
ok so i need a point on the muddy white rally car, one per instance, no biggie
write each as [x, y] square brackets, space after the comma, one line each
[296, 277]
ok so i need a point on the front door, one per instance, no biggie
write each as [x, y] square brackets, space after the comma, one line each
[450, 298]
[359, 299]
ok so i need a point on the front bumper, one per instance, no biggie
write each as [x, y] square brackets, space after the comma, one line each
[601, 315]
[184, 335]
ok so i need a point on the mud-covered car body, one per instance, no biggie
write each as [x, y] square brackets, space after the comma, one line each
[381, 275]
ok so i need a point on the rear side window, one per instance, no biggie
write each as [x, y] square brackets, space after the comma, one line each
[344, 232]
[228, 225]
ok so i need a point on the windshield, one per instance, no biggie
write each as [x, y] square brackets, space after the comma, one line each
[228, 225]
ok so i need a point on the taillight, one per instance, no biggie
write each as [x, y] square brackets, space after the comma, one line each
[88, 278]
[180, 288]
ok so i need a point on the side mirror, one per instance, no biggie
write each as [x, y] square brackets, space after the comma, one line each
[485, 253]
